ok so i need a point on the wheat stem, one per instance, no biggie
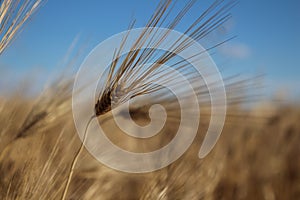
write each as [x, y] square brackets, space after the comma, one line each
[70, 175]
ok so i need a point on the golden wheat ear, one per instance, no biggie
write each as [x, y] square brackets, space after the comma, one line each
[13, 14]
[126, 79]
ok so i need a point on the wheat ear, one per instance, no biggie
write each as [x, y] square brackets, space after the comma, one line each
[126, 80]
[13, 14]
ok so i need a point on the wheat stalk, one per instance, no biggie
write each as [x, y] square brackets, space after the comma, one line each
[13, 14]
[126, 80]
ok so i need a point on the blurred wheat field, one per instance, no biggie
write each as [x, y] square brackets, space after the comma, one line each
[255, 158]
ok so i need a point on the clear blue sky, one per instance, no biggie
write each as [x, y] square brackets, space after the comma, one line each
[268, 36]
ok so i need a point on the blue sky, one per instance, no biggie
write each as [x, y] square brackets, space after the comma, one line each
[268, 36]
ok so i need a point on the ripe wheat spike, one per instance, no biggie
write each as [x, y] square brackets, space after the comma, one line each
[126, 79]
[13, 14]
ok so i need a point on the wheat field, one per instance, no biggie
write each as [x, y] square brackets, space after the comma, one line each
[257, 156]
